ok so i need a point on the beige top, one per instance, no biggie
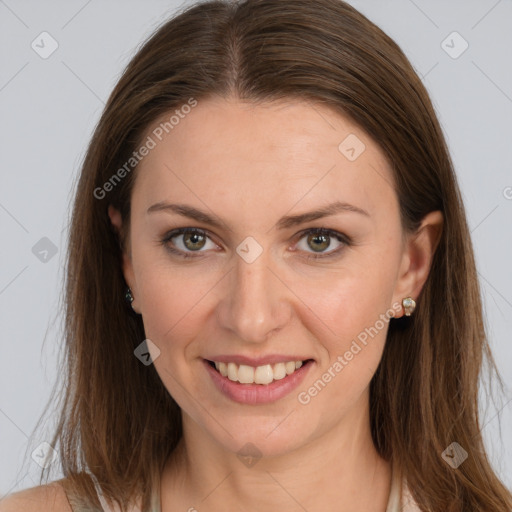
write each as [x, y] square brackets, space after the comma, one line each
[400, 500]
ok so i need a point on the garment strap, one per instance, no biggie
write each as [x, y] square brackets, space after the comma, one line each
[77, 505]
[394, 501]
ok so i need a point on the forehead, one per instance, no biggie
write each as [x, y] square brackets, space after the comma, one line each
[262, 155]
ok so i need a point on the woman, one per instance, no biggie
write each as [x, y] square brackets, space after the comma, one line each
[272, 301]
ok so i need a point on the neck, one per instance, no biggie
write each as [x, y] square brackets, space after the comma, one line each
[333, 471]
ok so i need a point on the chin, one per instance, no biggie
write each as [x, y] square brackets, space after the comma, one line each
[266, 436]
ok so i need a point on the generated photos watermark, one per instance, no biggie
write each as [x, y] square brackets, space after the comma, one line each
[304, 397]
[150, 143]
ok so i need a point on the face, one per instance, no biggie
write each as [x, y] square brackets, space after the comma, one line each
[258, 282]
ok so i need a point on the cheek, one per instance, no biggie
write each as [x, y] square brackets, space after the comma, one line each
[171, 302]
[345, 302]
[173, 316]
[358, 320]
[349, 314]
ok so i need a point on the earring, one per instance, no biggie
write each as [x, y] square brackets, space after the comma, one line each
[128, 296]
[409, 305]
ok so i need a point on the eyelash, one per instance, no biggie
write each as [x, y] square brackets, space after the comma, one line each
[344, 239]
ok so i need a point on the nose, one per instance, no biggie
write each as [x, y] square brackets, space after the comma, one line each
[256, 301]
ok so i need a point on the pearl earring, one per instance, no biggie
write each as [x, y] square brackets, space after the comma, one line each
[409, 305]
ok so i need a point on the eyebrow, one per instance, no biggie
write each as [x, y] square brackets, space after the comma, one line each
[284, 222]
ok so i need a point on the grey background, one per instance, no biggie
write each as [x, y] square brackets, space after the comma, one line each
[49, 107]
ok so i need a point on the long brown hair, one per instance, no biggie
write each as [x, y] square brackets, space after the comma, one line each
[117, 420]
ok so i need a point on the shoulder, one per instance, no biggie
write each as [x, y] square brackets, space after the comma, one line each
[43, 498]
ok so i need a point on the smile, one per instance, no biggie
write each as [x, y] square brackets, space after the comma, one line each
[265, 374]
[254, 385]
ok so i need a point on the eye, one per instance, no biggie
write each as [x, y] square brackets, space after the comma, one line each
[184, 242]
[320, 239]
[189, 241]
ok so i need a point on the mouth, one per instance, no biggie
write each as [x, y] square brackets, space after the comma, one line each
[257, 385]
[258, 375]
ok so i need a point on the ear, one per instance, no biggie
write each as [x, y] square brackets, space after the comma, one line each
[127, 266]
[419, 249]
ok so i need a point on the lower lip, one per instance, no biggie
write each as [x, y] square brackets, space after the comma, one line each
[254, 394]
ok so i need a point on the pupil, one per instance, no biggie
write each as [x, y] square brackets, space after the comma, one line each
[194, 237]
[324, 239]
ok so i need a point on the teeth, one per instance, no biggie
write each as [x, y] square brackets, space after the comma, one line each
[263, 374]
[279, 371]
[289, 367]
[232, 371]
[260, 375]
[245, 374]
[223, 369]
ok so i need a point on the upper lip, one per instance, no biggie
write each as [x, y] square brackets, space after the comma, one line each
[256, 361]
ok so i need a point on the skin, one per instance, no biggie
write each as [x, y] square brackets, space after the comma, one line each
[250, 165]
